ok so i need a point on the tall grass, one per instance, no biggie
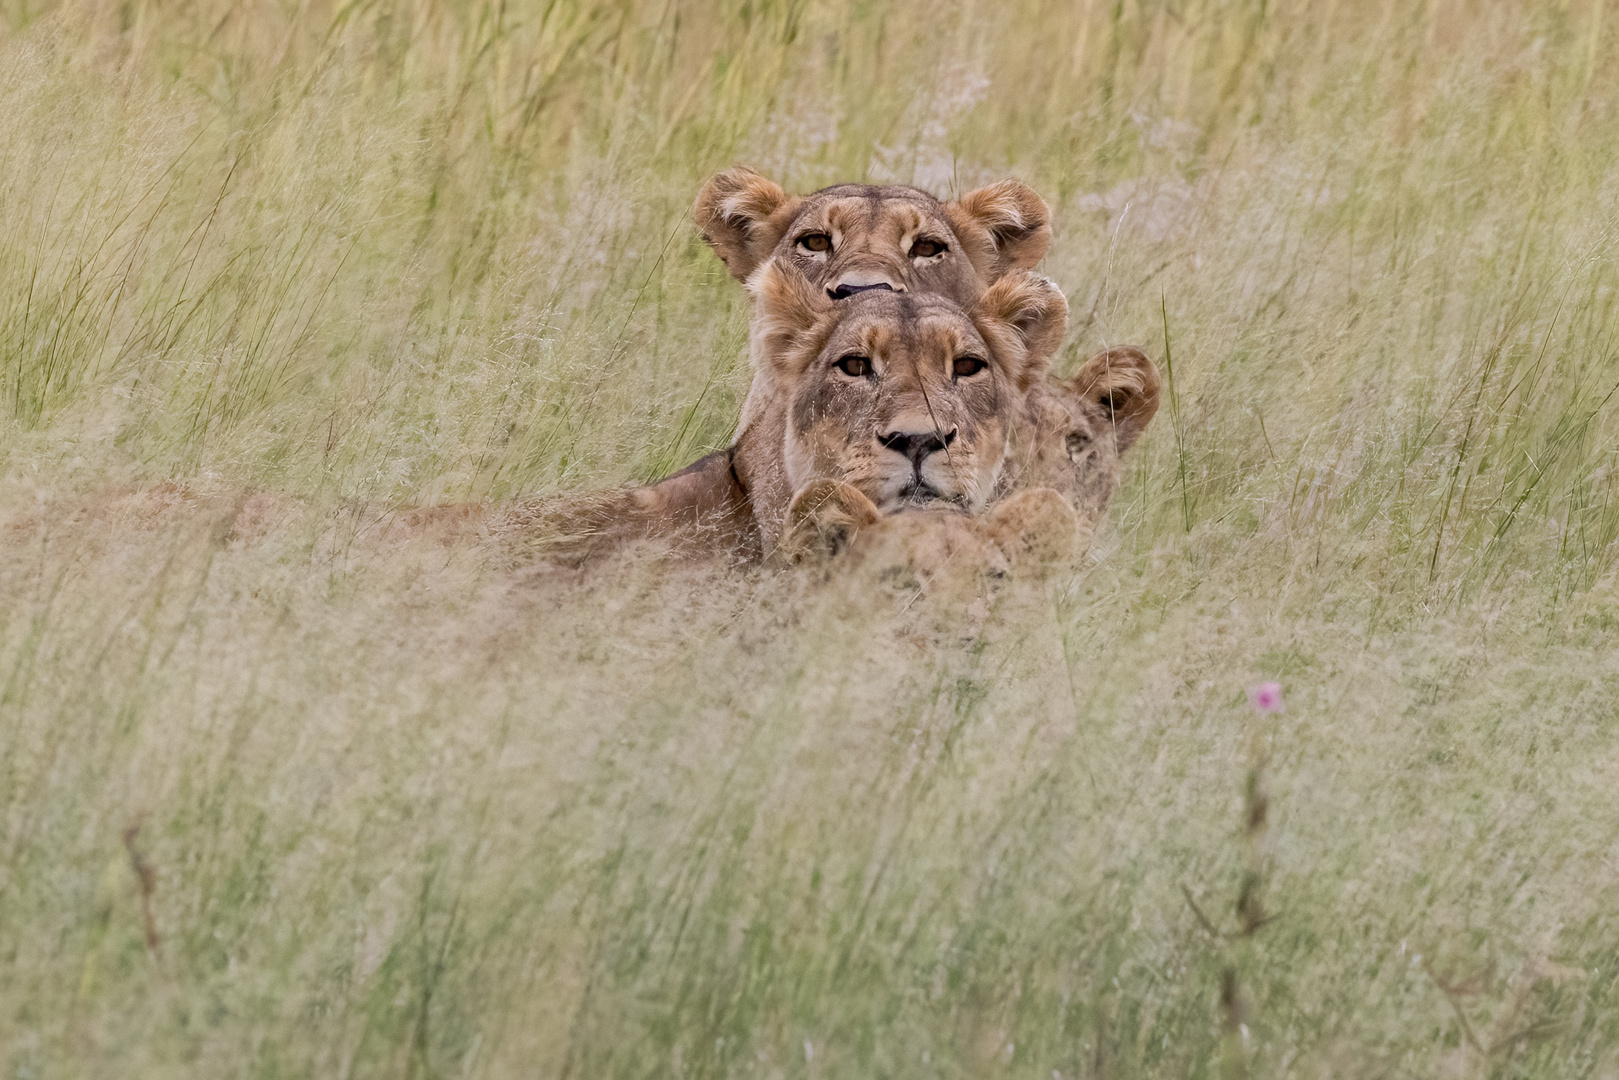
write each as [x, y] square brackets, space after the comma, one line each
[281, 796]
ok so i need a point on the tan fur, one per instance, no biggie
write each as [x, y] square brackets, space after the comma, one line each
[700, 510]
[803, 420]
[749, 221]
[1079, 428]
[1066, 441]
[1029, 532]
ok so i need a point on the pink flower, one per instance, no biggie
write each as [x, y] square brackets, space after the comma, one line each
[1266, 697]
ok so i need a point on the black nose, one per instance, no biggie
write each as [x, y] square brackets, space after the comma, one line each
[917, 445]
[843, 292]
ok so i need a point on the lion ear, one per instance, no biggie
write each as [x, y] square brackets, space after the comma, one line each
[742, 215]
[1016, 222]
[1032, 312]
[786, 311]
[1124, 384]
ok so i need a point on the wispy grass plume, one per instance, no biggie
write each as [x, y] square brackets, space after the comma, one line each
[286, 790]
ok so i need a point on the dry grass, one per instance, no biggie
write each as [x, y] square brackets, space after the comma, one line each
[284, 793]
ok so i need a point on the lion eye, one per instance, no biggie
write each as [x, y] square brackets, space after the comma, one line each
[856, 367]
[815, 241]
[966, 367]
[926, 249]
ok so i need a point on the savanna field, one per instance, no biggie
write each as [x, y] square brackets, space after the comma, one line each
[287, 790]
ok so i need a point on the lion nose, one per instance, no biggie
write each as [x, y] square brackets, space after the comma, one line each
[917, 445]
[859, 281]
[843, 292]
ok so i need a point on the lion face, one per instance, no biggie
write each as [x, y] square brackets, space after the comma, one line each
[1080, 428]
[905, 402]
[853, 238]
[907, 398]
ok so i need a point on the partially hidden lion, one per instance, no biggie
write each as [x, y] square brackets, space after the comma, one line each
[908, 399]
[1073, 433]
[849, 238]
[903, 401]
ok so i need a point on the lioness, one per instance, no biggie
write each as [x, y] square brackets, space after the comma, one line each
[849, 238]
[906, 397]
[1073, 433]
[1063, 435]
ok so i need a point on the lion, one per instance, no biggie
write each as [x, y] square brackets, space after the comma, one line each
[850, 238]
[906, 397]
[1080, 428]
[1029, 531]
[1075, 432]
[1061, 435]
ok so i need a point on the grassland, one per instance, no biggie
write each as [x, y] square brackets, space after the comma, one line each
[281, 797]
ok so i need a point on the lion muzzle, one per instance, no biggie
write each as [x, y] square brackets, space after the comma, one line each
[916, 447]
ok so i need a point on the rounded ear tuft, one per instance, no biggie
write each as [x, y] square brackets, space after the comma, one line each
[1034, 310]
[740, 215]
[1017, 221]
[1125, 386]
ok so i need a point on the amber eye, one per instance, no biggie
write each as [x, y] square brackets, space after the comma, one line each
[967, 366]
[926, 249]
[815, 241]
[856, 367]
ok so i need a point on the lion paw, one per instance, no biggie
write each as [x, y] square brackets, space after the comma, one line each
[823, 519]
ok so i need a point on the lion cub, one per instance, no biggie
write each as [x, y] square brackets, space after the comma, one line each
[1029, 531]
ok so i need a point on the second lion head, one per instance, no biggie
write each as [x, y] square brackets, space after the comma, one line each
[909, 397]
[853, 238]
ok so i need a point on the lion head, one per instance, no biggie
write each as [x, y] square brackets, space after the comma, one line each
[906, 397]
[1063, 468]
[851, 238]
[1080, 428]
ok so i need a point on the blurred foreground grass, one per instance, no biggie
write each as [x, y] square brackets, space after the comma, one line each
[277, 799]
